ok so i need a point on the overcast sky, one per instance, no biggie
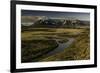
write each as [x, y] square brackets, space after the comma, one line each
[74, 15]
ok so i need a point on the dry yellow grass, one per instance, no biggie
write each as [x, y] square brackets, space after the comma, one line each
[29, 34]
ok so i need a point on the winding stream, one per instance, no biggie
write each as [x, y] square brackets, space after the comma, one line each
[61, 46]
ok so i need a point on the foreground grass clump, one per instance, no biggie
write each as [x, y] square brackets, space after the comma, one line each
[32, 49]
[79, 50]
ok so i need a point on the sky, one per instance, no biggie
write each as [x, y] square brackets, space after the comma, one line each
[52, 14]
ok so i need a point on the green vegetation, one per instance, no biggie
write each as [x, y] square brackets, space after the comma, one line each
[37, 42]
[32, 49]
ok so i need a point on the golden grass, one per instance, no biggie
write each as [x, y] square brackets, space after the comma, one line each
[79, 50]
[29, 34]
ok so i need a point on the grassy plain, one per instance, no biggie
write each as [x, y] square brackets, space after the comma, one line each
[79, 50]
[37, 42]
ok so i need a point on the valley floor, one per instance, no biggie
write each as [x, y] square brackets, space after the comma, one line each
[55, 44]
